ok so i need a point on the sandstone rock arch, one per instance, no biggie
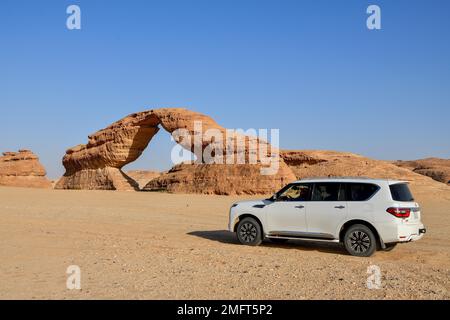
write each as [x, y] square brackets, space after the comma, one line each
[97, 165]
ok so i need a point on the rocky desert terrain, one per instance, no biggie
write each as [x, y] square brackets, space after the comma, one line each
[153, 245]
[436, 168]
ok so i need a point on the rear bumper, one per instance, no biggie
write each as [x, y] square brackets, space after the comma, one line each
[408, 233]
[401, 232]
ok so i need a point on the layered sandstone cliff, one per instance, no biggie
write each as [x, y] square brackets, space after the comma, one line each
[22, 169]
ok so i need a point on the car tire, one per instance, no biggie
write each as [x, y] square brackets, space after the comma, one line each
[278, 240]
[390, 246]
[360, 241]
[249, 232]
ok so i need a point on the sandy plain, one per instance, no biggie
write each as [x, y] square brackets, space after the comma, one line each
[142, 245]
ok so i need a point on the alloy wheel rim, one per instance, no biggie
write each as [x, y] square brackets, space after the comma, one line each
[248, 232]
[359, 241]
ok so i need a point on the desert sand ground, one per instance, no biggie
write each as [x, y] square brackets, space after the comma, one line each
[138, 245]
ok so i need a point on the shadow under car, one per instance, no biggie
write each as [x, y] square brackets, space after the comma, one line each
[225, 236]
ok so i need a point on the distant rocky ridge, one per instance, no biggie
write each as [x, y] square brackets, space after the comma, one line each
[436, 168]
[142, 177]
[320, 163]
[22, 169]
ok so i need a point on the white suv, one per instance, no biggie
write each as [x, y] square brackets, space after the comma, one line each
[363, 214]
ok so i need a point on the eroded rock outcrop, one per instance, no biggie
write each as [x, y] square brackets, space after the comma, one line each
[435, 168]
[22, 169]
[222, 179]
[98, 164]
[314, 163]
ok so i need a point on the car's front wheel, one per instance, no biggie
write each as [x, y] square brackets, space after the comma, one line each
[249, 232]
[360, 241]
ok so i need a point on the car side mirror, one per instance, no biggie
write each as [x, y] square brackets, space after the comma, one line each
[273, 198]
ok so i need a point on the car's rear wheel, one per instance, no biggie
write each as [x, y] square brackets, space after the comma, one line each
[249, 232]
[360, 241]
[390, 246]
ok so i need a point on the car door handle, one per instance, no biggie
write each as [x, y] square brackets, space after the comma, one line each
[300, 207]
[339, 207]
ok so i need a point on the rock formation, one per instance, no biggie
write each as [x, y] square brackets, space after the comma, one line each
[222, 179]
[313, 163]
[98, 164]
[22, 169]
[435, 168]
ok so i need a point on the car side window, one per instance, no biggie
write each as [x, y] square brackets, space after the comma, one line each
[328, 191]
[361, 191]
[297, 192]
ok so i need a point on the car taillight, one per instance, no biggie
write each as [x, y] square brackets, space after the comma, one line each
[399, 212]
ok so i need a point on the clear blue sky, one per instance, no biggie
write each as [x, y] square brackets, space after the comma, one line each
[310, 68]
